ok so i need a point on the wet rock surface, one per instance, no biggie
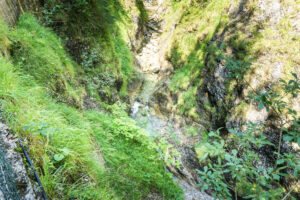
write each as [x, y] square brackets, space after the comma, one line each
[8, 144]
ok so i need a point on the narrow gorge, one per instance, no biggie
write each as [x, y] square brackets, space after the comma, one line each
[149, 99]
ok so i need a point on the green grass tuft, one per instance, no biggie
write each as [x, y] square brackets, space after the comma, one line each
[38, 52]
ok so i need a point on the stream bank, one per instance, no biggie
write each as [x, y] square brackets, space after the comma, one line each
[154, 68]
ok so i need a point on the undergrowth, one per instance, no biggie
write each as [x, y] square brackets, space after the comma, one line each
[97, 33]
[131, 156]
[39, 96]
[38, 52]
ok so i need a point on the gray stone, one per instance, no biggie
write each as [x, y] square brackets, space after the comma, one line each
[8, 144]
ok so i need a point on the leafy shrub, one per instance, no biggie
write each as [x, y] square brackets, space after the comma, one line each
[233, 166]
[237, 170]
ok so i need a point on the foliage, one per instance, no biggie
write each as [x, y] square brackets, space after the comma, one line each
[52, 130]
[84, 12]
[236, 169]
[236, 68]
[4, 42]
[196, 22]
[61, 138]
[233, 165]
[131, 156]
[96, 34]
[272, 100]
[63, 150]
[38, 52]
[143, 12]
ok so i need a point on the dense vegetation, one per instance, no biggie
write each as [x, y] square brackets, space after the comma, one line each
[206, 36]
[41, 98]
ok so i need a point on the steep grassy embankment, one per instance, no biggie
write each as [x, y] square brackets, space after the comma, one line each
[78, 154]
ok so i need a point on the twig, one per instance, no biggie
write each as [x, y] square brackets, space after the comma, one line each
[20, 5]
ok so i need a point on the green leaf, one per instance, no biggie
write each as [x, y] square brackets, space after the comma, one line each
[298, 141]
[35, 133]
[26, 128]
[222, 45]
[247, 64]
[232, 131]
[44, 132]
[283, 81]
[288, 138]
[276, 177]
[227, 156]
[270, 170]
[280, 161]
[291, 81]
[296, 173]
[295, 75]
[211, 134]
[58, 157]
[65, 151]
[261, 105]
[33, 123]
[234, 152]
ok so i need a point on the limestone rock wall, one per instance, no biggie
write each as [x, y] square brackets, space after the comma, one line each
[11, 9]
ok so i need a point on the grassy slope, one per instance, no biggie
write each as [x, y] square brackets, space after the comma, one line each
[97, 35]
[34, 84]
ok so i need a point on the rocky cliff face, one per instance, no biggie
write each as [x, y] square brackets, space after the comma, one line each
[19, 177]
[255, 30]
[11, 9]
[264, 32]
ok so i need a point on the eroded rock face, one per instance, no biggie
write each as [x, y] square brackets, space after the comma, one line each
[266, 72]
[270, 10]
[8, 144]
[193, 194]
[163, 100]
[11, 9]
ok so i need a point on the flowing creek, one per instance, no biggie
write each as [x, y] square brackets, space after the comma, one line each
[149, 65]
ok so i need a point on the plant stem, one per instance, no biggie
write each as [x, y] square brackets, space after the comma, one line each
[235, 193]
[280, 141]
[290, 191]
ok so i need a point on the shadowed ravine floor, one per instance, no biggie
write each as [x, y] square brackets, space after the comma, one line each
[150, 66]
